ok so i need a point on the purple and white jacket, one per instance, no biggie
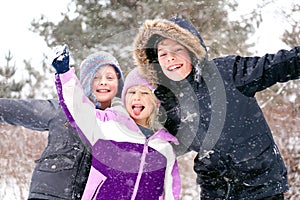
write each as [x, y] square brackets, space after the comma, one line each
[125, 164]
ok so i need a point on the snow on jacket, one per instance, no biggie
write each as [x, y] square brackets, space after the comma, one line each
[125, 164]
[62, 170]
[222, 112]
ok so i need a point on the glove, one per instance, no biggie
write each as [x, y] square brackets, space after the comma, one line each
[166, 97]
[170, 103]
[61, 59]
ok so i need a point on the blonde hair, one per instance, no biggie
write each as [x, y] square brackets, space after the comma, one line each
[152, 120]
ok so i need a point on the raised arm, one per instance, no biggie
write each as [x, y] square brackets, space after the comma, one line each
[32, 114]
[80, 112]
[253, 74]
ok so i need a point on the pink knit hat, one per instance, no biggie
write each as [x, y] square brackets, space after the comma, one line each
[134, 78]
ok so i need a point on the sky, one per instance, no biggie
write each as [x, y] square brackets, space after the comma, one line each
[15, 19]
[16, 16]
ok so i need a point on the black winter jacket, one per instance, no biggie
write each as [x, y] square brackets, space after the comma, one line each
[63, 168]
[216, 114]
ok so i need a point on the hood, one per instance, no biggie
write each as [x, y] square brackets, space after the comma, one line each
[152, 31]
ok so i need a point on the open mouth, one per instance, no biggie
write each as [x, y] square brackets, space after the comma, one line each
[137, 109]
[174, 67]
[102, 90]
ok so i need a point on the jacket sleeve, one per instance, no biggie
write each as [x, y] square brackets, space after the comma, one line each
[253, 74]
[32, 114]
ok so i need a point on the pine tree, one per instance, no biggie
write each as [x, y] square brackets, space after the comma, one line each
[32, 82]
[112, 25]
[9, 87]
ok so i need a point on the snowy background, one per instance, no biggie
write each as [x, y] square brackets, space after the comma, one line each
[15, 18]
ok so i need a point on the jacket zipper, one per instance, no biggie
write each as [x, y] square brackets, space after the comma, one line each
[142, 164]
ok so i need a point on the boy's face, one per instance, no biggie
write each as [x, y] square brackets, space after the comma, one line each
[139, 104]
[174, 59]
[105, 85]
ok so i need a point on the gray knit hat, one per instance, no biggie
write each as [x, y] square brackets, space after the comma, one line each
[92, 64]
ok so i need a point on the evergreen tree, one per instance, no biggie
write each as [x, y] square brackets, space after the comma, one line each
[32, 82]
[9, 87]
[292, 37]
[39, 83]
[112, 25]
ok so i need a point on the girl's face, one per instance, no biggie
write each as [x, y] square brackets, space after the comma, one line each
[105, 85]
[139, 104]
[174, 59]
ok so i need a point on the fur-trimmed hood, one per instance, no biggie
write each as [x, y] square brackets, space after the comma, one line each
[177, 29]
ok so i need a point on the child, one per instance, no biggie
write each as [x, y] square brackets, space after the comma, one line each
[219, 116]
[132, 157]
[63, 168]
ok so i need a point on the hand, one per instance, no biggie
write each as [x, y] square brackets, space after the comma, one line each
[170, 103]
[61, 59]
[166, 97]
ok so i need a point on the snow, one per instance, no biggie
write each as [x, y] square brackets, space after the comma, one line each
[16, 15]
[8, 191]
[267, 36]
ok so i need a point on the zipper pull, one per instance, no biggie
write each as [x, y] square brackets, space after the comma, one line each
[146, 145]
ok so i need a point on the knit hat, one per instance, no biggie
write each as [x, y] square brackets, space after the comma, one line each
[134, 78]
[92, 64]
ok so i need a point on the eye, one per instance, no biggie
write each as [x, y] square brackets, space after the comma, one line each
[162, 53]
[131, 92]
[109, 77]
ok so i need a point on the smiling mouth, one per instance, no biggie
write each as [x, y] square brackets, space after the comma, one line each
[174, 67]
[102, 90]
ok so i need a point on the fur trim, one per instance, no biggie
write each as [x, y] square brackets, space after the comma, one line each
[166, 29]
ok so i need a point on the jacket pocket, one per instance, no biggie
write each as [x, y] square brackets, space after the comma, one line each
[252, 161]
[56, 163]
[95, 181]
[64, 157]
